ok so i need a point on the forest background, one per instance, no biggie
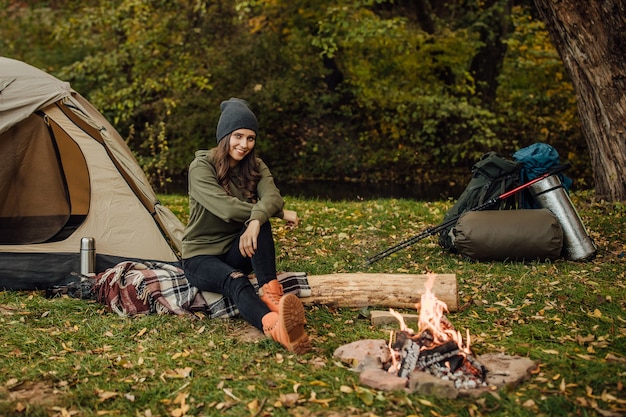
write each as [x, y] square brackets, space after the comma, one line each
[369, 91]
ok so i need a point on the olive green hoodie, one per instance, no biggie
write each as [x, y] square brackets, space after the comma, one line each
[216, 218]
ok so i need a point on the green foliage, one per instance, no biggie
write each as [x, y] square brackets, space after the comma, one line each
[154, 163]
[536, 98]
[413, 103]
[142, 66]
[366, 90]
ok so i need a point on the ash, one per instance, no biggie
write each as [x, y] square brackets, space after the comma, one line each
[461, 379]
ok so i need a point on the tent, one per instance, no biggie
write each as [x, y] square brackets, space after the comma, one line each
[65, 174]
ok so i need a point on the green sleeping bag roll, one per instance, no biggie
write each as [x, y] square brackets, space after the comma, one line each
[514, 235]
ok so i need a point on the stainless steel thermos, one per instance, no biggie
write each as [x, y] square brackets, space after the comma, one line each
[87, 256]
[549, 193]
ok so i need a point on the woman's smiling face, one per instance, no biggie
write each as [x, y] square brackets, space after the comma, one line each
[241, 143]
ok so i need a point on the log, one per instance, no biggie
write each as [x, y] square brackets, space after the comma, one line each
[383, 318]
[379, 290]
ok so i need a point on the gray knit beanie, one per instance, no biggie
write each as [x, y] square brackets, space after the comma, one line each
[236, 114]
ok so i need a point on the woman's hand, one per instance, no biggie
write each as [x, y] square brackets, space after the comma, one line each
[291, 217]
[248, 239]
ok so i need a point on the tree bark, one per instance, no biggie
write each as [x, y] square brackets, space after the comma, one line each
[590, 36]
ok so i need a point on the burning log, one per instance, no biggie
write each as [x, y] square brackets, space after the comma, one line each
[410, 357]
[448, 353]
[384, 290]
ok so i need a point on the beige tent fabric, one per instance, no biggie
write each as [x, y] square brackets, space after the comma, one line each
[25, 89]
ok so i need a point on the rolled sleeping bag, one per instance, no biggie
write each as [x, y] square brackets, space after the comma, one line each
[498, 235]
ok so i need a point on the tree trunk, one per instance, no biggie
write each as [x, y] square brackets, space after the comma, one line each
[487, 64]
[590, 36]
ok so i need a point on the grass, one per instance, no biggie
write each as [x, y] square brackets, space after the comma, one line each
[68, 357]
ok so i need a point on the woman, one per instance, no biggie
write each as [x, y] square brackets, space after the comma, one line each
[232, 196]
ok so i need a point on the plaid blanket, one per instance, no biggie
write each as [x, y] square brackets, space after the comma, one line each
[132, 288]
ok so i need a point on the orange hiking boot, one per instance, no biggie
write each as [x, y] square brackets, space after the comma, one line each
[287, 326]
[271, 294]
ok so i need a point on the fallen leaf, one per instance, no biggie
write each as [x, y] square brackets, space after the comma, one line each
[106, 395]
[614, 358]
[178, 373]
[253, 405]
[596, 313]
[289, 400]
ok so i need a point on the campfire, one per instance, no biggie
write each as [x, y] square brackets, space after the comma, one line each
[437, 347]
[434, 360]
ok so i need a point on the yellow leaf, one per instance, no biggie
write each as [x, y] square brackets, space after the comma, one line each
[550, 351]
[253, 405]
[180, 398]
[319, 383]
[325, 402]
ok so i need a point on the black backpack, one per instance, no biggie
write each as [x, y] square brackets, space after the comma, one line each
[492, 176]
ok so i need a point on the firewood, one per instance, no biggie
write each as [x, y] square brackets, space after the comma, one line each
[379, 290]
[382, 318]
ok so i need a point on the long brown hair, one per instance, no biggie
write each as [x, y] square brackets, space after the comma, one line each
[249, 174]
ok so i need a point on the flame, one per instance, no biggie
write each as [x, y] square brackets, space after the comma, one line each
[433, 320]
[395, 357]
[434, 331]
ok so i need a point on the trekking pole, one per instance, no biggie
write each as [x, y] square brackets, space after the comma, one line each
[436, 229]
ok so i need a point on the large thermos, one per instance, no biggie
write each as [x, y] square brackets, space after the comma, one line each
[87, 256]
[549, 193]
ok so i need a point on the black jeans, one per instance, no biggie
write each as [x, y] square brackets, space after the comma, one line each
[227, 274]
